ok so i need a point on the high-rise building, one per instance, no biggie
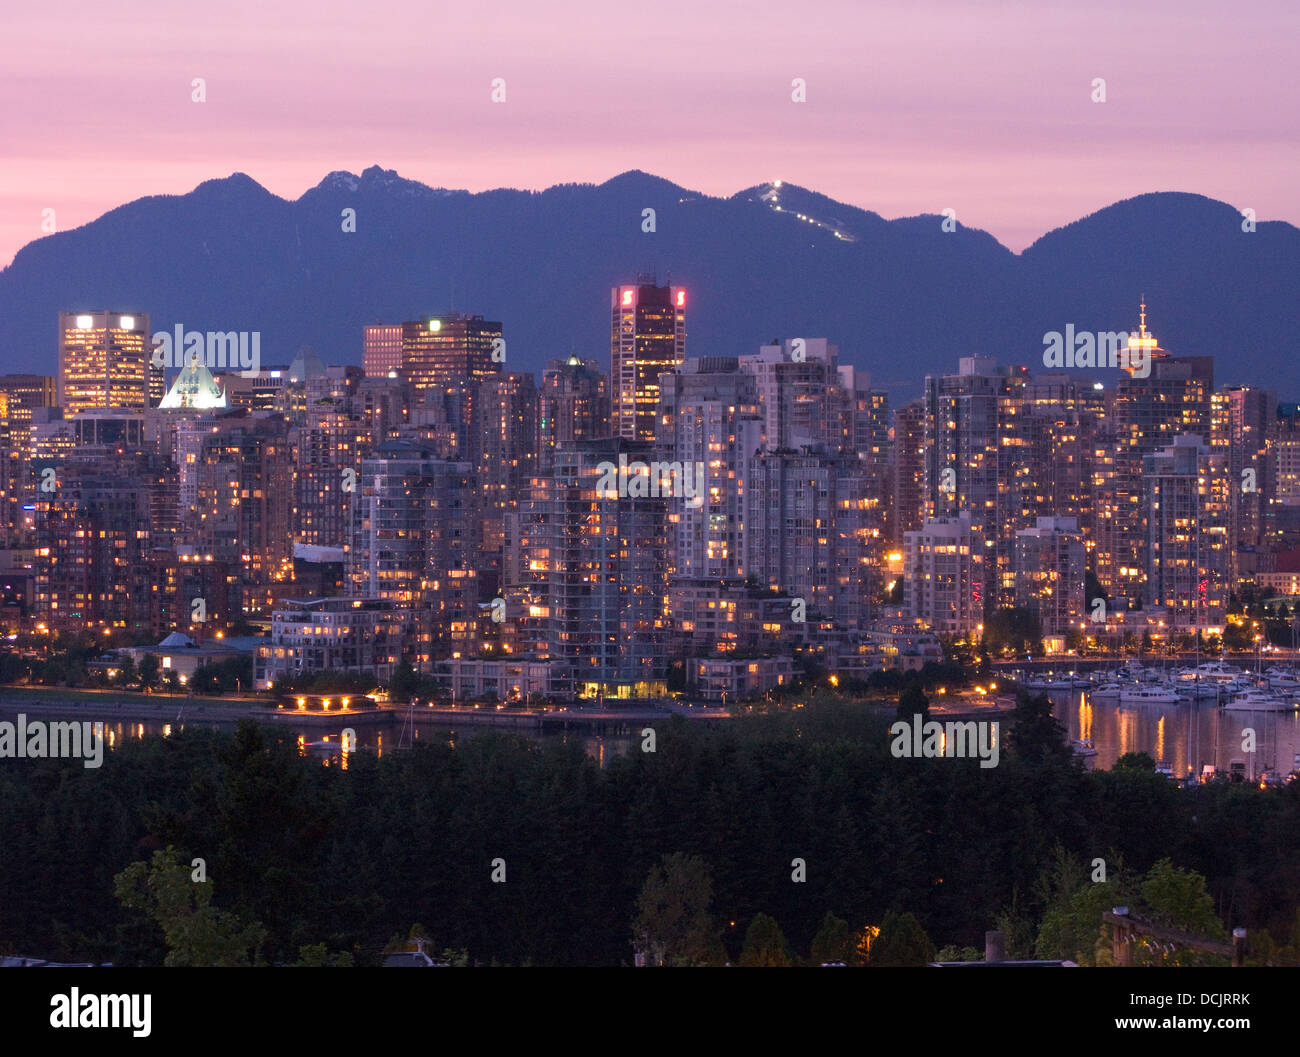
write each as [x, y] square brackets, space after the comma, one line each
[503, 451]
[1286, 431]
[803, 402]
[328, 450]
[92, 545]
[1243, 422]
[20, 396]
[1186, 495]
[647, 339]
[573, 403]
[813, 530]
[411, 543]
[385, 405]
[908, 469]
[977, 436]
[27, 392]
[1145, 415]
[710, 426]
[450, 350]
[1050, 573]
[106, 361]
[599, 562]
[242, 501]
[866, 419]
[1065, 412]
[381, 355]
[943, 575]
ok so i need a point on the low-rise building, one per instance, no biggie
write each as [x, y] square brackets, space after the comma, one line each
[727, 679]
[349, 634]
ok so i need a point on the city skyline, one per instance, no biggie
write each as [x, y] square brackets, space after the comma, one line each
[790, 437]
[680, 485]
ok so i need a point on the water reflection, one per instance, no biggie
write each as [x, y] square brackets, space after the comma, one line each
[333, 745]
[1185, 737]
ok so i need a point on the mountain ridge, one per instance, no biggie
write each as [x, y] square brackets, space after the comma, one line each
[900, 297]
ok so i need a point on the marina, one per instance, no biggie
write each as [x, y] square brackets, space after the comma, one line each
[1195, 721]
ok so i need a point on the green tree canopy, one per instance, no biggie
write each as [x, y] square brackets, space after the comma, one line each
[196, 932]
[902, 942]
[833, 943]
[765, 944]
[674, 924]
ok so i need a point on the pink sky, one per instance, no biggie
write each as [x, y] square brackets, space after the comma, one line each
[912, 107]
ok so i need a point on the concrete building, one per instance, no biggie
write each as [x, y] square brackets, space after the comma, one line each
[1187, 497]
[597, 552]
[1050, 569]
[814, 530]
[709, 418]
[574, 403]
[944, 576]
[364, 636]
[411, 543]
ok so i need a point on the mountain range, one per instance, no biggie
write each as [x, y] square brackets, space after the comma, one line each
[901, 298]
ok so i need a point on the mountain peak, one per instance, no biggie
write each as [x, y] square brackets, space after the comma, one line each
[234, 184]
[377, 178]
[638, 180]
[339, 180]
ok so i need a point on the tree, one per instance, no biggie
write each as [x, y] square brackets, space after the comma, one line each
[148, 671]
[1071, 927]
[317, 955]
[1135, 761]
[902, 942]
[1178, 898]
[1093, 589]
[833, 943]
[765, 944]
[126, 673]
[1018, 630]
[196, 932]
[404, 682]
[1036, 734]
[674, 925]
[912, 701]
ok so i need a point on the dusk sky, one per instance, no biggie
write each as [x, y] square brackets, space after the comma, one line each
[911, 108]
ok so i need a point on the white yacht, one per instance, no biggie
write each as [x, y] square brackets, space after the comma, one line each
[1280, 679]
[1106, 691]
[1148, 695]
[1133, 672]
[1258, 700]
[1200, 691]
[1213, 671]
